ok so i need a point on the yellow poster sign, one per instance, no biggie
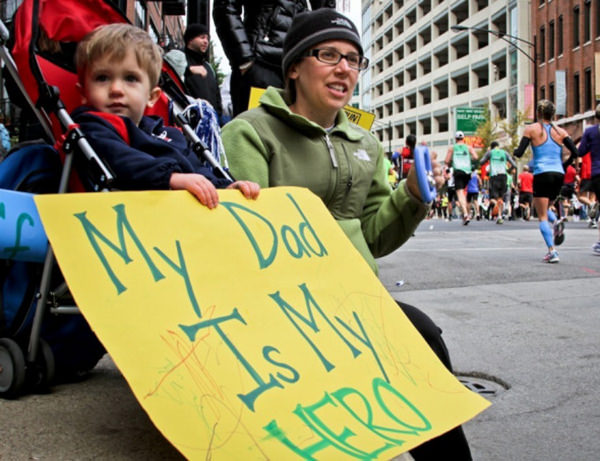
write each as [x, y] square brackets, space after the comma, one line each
[254, 330]
[358, 117]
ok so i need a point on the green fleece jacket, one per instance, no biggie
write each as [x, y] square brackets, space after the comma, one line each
[344, 167]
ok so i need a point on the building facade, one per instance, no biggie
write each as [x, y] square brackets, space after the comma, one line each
[568, 47]
[422, 69]
[164, 20]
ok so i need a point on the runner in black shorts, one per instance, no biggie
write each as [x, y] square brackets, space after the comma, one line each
[595, 182]
[461, 179]
[461, 158]
[525, 181]
[498, 159]
[547, 185]
[547, 141]
[497, 186]
[590, 142]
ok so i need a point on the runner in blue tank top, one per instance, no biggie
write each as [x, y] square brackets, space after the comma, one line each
[547, 141]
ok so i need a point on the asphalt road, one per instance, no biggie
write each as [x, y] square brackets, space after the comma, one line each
[528, 328]
[523, 332]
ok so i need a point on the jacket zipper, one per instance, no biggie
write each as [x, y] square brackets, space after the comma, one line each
[331, 151]
[333, 176]
[350, 173]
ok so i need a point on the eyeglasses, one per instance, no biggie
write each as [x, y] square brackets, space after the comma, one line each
[332, 56]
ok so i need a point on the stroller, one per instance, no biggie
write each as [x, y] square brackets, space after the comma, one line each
[38, 342]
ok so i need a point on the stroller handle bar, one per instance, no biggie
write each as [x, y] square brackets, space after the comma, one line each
[4, 33]
[14, 73]
[101, 172]
[199, 147]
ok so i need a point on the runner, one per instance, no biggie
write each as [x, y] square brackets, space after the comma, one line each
[525, 183]
[590, 142]
[461, 158]
[548, 171]
[498, 178]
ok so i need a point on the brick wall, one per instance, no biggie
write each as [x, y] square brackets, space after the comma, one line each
[574, 59]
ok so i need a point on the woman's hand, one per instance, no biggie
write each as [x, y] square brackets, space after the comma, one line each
[413, 184]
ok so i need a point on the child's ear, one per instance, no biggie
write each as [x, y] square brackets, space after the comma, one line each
[81, 92]
[154, 95]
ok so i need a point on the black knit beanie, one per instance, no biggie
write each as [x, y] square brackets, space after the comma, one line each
[193, 30]
[313, 27]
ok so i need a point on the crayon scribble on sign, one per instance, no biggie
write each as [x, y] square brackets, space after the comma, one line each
[252, 331]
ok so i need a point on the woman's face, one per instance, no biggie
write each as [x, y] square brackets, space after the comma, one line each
[323, 89]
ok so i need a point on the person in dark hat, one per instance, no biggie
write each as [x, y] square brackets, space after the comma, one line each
[301, 136]
[252, 34]
[200, 77]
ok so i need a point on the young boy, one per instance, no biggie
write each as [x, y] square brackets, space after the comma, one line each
[118, 67]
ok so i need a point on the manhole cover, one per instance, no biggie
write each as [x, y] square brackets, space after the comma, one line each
[485, 385]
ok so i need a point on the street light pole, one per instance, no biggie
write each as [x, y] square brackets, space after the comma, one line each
[390, 137]
[387, 125]
[507, 38]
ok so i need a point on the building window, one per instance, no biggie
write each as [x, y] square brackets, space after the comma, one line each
[122, 5]
[542, 44]
[588, 102]
[576, 102]
[140, 15]
[560, 35]
[576, 27]
[513, 68]
[542, 92]
[551, 92]
[587, 21]
[551, 40]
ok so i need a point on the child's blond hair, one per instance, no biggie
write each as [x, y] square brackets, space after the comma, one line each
[114, 40]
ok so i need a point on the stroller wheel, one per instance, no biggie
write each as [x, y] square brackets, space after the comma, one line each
[41, 372]
[12, 369]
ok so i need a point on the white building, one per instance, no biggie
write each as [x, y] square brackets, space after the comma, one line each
[421, 70]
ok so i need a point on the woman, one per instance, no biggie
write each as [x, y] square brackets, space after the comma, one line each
[302, 137]
[547, 142]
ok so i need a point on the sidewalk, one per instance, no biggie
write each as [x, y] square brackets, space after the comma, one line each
[546, 349]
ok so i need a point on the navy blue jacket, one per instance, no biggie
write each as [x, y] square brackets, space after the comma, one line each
[141, 157]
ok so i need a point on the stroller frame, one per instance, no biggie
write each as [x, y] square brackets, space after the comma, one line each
[35, 369]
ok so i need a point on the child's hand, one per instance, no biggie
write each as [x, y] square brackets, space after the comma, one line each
[198, 186]
[248, 188]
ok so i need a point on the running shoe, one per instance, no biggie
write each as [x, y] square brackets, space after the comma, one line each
[596, 247]
[559, 231]
[500, 221]
[552, 257]
[466, 220]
